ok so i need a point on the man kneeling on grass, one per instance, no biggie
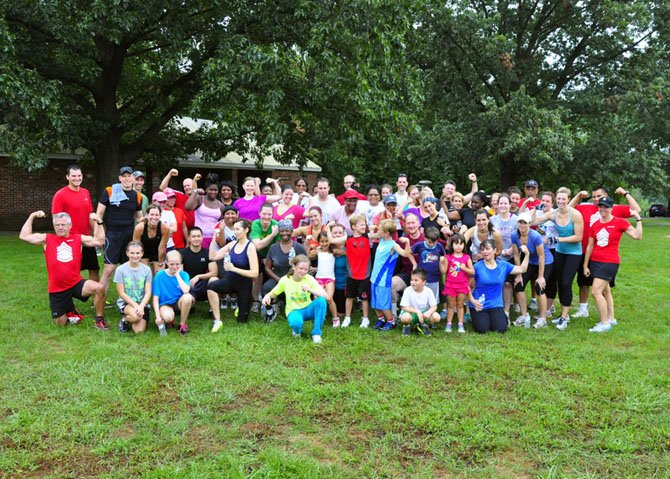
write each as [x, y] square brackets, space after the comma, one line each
[133, 283]
[171, 290]
[419, 305]
[62, 252]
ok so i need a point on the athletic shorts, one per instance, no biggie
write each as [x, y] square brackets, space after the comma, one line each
[61, 302]
[324, 281]
[415, 317]
[380, 297]
[340, 300]
[89, 259]
[199, 290]
[121, 306]
[115, 246]
[605, 271]
[405, 278]
[358, 288]
[588, 280]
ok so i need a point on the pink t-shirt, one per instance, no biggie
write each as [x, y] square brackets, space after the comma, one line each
[250, 209]
[455, 276]
[295, 210]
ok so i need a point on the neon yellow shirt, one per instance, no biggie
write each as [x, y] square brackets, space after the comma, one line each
[296, 298]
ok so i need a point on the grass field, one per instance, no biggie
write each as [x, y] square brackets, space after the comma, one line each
[254, 402]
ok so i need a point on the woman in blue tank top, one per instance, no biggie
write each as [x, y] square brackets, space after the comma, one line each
[241, 265]
[570, 226]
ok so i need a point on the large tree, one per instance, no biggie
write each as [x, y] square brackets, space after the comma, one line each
[312, 76]
[506, 81]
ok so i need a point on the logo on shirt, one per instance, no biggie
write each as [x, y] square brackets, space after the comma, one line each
[603, 237]
[595, 217]
[64, 253]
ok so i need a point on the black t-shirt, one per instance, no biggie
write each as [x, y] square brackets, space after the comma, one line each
[195, 263]
[467, 216]
[121, 217]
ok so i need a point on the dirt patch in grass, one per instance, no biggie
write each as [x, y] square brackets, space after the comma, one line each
[80, 463]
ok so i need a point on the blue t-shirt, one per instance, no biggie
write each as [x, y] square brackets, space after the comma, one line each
[429, 259]
[489, 282]
[534, 240]
[385, 260]
[167, 288]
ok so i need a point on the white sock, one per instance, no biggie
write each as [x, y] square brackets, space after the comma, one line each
[583, 306]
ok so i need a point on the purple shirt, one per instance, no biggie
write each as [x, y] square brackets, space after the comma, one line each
[250, 209]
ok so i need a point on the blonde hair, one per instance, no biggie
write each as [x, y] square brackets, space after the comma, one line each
[565, 190]
[301, 258]
[354, 219]
[387, 226]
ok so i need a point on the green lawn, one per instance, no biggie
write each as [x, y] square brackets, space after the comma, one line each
[254, 402]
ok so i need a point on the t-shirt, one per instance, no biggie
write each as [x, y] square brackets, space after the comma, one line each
[121, 217]
[295, 210]
[467, 217]
[169, 218]
[358, 256]
[329, 207]
[195, 263]
[258, 233]
[77, 204]
[167, 288]
[296, 298]
[428, 258]
[534, 240]
[405, 263]
[178, 235]
[590, 214]
[342, 218]
[421, 301]
[189, 215]
[280, 260]
[530, 204]
[63, 257]
[606, 238]
[489, 282]
[506, 228]
[250, 209]
[341, 272]
[384, 265]
[134, 281]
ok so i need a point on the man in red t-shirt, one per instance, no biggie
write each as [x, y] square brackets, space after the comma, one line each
[591, 214]
[62, 252]
[76, 201]
[531, 200]
[601, 259]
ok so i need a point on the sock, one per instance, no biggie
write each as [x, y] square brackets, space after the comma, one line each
[364, 318]
[583, 306]
[347, 318]
[394, 310]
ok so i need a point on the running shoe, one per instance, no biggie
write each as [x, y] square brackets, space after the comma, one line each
[183, 329]
[124, 326]
[346, 322]
[443, 315]
[74, 317]
[601, 328]
[388, 326]
[533, 304]
[562, 323]
[447, 328]
[255, 307]
[336, 322]
[216, 327]
[316, 339]
[540, 323]
[406, 330]
[365, 322]
[101, 324]
[461, 328]
[232, 303]
[424, 329]
[270, 314]
[581, 314]
[379, 324]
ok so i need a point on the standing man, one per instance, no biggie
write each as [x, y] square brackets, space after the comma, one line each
[591, 214]
[76, 202]
[62, 252]
[328, 204]
[531, 200]
[139, 185]
[401, 195]
[350, 184]
[181, 198]
[120, 206]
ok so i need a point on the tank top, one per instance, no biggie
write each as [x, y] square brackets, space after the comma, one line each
[151, 244]
[564, 232]
[63, 257]
[325, 268]
[239, 260]
[475, 246]
[206, 219]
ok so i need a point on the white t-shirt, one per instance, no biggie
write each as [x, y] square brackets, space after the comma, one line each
[169, 219]
[421, 301]
[329, 207]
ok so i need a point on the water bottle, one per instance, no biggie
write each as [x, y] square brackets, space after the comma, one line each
[481, 299]
[98, 251]
[291, 253]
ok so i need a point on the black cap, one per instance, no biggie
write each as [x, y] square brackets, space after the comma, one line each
[606, 201]
[230, 208]
[125, 169]
[532, 183]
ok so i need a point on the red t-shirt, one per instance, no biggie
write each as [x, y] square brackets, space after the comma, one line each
[405, 263]
[178, 236]
[63, 257]
[358, 256]
[590, 214]
[180, 202]
[606, 238]
[530, 204]
[77, 204]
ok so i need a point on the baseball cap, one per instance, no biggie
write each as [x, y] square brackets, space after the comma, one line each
[606, 201]
[125, 170]
[390, 199]
[430, 199]
[350, 194]
[169, 192]
[158, 197]
[532, 183]
[230, 208]
[525, 217]
[138, 173]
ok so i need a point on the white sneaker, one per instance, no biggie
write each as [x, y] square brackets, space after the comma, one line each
[613, 322]
[217, 326]
[533, 304]
[336, 322]
[316, 339]
[516, 308]
[540, 323]
[365, 322]
[581, 314]
[520, 321]
[600, 328]
[562, 323]
[346, 322]
[294, 334]
[551, 311]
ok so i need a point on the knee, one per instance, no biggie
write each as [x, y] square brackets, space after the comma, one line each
[435, 318]
[405, 318]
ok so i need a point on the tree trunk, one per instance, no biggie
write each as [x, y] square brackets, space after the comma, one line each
[107, 162]
[507, 172]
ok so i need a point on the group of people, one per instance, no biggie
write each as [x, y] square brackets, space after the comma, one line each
[399, 253]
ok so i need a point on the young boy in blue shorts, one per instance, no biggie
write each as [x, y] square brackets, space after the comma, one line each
[419, 305]
[382, 273]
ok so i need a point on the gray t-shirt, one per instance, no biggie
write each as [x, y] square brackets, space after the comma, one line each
[280, 260]
[134, 281]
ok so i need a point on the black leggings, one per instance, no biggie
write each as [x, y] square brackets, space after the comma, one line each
[566, 268]
[493, 319]
[240, 285]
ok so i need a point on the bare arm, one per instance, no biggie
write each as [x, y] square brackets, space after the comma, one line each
[98, 238]
[577, 198]
[165, 234]
[194, 201]
[268, 269]
[634, 207]
[578, 223]
[27, 234]
[635, 232]
[474, 189]
[166, 181]
[137, 232]
[524, 264]
[587, 257]
[497, 237]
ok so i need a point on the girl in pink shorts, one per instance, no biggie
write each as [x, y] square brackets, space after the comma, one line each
[456, 266]
[325, 272]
